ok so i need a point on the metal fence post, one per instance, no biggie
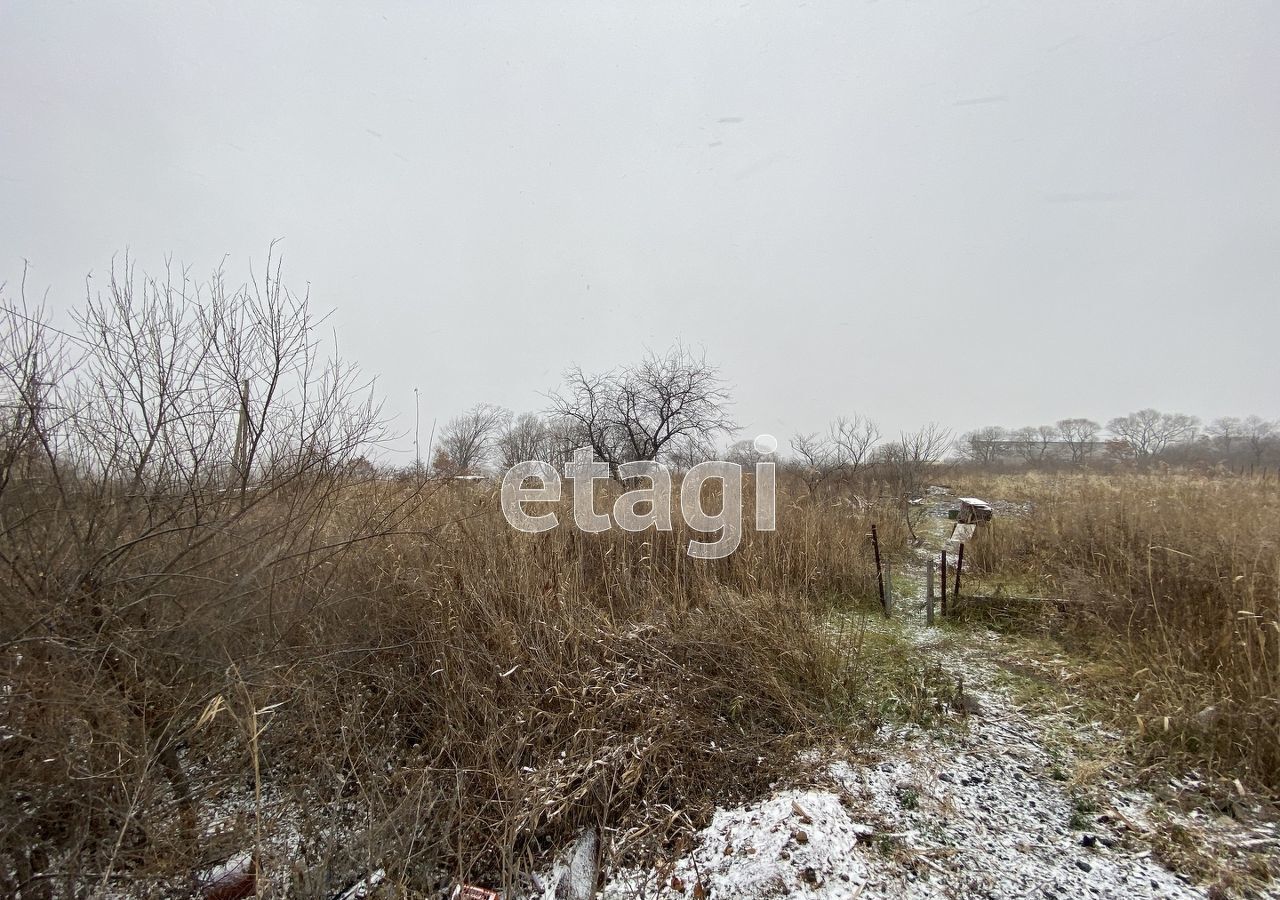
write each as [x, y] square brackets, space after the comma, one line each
[943, 573]
[888, 588]
[875, 544]
[928, 590]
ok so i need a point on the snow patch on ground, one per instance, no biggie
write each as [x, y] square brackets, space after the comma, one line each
[978, 811]
[794, 841]
[934, 821]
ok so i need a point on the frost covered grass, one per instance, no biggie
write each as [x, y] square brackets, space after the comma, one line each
[1172, 587]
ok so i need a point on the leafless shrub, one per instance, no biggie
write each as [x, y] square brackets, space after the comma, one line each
[30, 352]
[174, 472]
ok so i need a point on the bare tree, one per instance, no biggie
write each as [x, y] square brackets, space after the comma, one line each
[646, 411]
[840, 454]
[527, 437]
[1149, 432]
[981, 445]
[1225, 432]
[907, 462]
[1260, 435]
[1080, 435]
[1027, 442]
[683, 455]
[853, 440]
[467, 441]
[745, 454]
[1033, 441]
[562, 439]
[815, 461]
[925, 447]
[1046, 435]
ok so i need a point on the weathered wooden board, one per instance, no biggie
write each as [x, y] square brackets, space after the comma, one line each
[973, 510]
[962, 533]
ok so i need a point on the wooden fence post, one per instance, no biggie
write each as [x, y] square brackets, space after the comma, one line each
[955, 607]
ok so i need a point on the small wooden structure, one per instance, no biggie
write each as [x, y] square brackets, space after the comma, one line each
[974, 511]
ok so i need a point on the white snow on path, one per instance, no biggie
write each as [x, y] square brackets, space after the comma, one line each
[920, 818]
[972, 813]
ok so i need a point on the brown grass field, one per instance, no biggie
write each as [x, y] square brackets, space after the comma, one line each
[384, 674]
[342, 674]
[1173, 582]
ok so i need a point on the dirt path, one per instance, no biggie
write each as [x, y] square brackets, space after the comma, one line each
[987, 807]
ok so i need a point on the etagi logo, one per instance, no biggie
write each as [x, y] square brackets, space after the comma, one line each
[656, 497]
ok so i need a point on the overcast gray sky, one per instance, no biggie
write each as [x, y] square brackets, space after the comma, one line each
[848, 205]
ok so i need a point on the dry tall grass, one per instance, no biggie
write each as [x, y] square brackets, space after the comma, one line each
[1177, 579]
[361, 674]
[215, 638]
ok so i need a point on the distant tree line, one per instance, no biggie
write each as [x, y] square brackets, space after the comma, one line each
[673, 407]
[1141, 437]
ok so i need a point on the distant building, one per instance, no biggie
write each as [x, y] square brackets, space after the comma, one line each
[1013, 451]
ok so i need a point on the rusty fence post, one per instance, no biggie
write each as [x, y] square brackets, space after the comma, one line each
[928, 590]
[875, 545]
[943, 573]
[955, 607]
